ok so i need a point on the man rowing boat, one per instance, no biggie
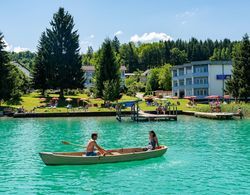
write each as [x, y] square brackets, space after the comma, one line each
[92, 145]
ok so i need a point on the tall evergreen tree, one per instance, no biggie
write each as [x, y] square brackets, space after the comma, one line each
[41, 67]
[239, 84]
[116, 44]
[107, 68]
[64, 60]
[12, 81]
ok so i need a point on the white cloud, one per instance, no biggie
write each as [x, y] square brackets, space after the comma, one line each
[20, 49]
[150, 37]
[92, 36]
[119, 32]
[15, 49]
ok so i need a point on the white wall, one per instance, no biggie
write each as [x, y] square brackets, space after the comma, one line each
[215, 86]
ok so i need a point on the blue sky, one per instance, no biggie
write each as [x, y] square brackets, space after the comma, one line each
[22, 22]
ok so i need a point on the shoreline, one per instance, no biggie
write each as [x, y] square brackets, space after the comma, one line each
[75, 114]
[108, 114]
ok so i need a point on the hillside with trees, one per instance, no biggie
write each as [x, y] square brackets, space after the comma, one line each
[26, 58]
[143, 56]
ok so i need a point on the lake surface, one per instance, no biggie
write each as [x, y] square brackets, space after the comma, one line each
[204, 157]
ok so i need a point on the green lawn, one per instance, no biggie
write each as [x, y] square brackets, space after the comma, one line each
[32, 100]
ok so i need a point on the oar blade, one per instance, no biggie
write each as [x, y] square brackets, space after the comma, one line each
[65, 142]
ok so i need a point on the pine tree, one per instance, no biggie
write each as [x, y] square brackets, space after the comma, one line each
[41, 68]
[12, 81]
[4, 60]
[64, 60]
[107, 68]
[116, 45]
[239, 84]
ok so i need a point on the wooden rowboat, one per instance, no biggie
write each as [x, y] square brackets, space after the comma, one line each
[117, 155]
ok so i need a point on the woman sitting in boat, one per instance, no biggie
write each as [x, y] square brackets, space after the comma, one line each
[153, 141]
[92, 145]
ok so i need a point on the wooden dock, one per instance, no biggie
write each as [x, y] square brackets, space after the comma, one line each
[215, 115]
[170, 112]
[143, 116]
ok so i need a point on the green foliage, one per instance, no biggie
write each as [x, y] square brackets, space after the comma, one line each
[153, 80]
[41, 75]
[221, 54]
[116, 45]
[159, 78]
[13, 82]
[58, 54]
[133, 84]
[129, 56]
[111, 90]
[86, 58]
[107, 68]
[177, 56]
[26, 58]
[239, 84]
[152, 55]
[165, 77]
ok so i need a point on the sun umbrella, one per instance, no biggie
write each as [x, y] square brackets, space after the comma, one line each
[42, 99]
[55, 98]
[213, 97]
[68, 99]
[226, 96]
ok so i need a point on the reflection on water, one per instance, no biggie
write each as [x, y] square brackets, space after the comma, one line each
[204, 156]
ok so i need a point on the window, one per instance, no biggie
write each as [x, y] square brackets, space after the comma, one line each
[175, 84]
[175, 73]
[201, 92]
[189, 92]
[188, 81]
[200, 80]
[181, 82]
[200, 68]
[189, 70]
[181, 71]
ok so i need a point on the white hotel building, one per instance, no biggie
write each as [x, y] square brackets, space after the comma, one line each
[89, 72]
[200, 78]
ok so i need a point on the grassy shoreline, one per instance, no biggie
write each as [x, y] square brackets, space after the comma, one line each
[32, 100]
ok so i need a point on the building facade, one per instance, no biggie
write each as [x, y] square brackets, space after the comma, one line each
[89, 73]
[200, 78]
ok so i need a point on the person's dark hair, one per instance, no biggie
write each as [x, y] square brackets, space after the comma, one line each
[93, 135]
[154, 134]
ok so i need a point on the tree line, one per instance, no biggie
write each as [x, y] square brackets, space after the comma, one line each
[58, 62]
[143, 56]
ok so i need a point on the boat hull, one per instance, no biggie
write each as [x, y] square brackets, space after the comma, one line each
[77, 158]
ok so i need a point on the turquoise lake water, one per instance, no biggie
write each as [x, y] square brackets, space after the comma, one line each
[204, 157]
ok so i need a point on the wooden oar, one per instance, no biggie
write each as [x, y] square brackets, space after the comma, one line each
[69, 143]
[102, 152]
